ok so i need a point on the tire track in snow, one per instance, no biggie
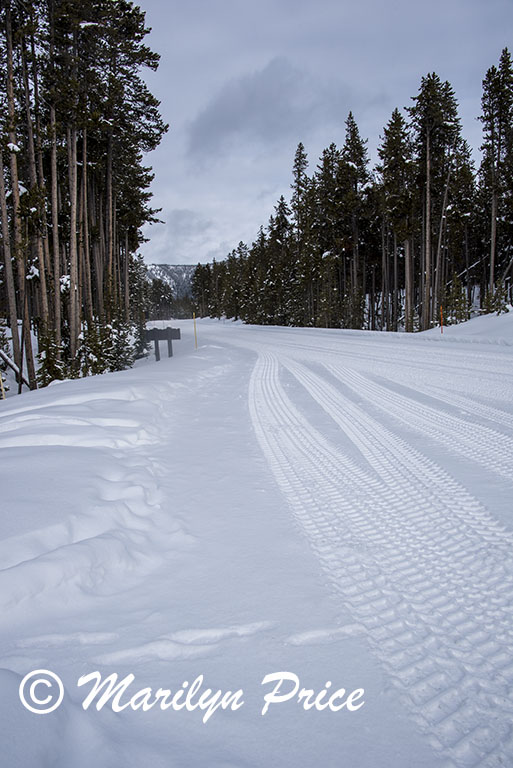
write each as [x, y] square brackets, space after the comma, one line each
[408, 353]
[467, 404]
[482, 444]
[412, 566]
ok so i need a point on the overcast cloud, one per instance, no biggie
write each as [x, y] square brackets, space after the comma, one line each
[241, 83]
[268, 107]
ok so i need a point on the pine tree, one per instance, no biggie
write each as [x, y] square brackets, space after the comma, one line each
[256, 271]
[397, 182]
[497, 164]
[455, 303]
[461, 220]
[327, 200]
[77, 120]
[437, 127]
[298, 200]
[94, 349]
[119, 341]
[353, 245]
[353, 175]
[51, 367]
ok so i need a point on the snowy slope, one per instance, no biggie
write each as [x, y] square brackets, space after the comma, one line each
[177, 276]
[492, 329]
[333, 504]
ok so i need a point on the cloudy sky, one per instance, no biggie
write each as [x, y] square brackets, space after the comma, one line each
[241, 82]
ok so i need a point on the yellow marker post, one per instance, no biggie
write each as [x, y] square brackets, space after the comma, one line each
[195, 333]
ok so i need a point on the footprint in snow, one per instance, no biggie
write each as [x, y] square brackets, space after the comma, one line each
[184, 644]
[74, 638]
[326, 636]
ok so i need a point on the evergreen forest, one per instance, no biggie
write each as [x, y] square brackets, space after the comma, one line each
[422, 238]
[76, 119]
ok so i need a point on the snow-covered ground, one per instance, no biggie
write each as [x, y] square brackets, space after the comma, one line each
[331, 504]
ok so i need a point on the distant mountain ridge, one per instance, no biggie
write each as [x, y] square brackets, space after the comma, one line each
[177, 276]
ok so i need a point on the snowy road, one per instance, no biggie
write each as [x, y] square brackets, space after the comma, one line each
[337, 504]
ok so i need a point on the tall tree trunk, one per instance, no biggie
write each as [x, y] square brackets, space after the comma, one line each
[18, 245]
[8, 272]
[493, 236]
[373, 299]
[426, 304]
[55, 233]
[86, 272]
[467, 273]
[98, 265]
[109, 223]
[395, 304]
[38, 244]
[39, 155]
[126, 279]
[384, 280]
[102, 254]
[74, 316]
[56, 248]
[116, 257]
[438, 265]
[408, 290]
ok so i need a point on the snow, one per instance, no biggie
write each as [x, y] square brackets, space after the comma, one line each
[334, 505]
[486, 329]
[65, 282]
[21, 189]
[177, 276]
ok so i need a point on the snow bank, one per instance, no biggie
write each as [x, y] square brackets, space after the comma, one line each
[486, 329]
[329, 504]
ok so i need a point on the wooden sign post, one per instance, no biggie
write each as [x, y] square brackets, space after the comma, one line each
[162, 334]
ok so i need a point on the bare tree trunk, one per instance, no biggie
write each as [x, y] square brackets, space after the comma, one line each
[426, 304]
[467, 261]
[109, 222]
[438, 266]
[98, 265]
[395, 304]
[18, 247]
[38, 244]
[408, 291]
[356, 256]
[39, 155]
[373, 299]
[384, 280]
[9, 276]
[74, 318]
[55, 233]
[88, 293]
[126, 280]
[102, 253]
[493, 237]
[57, 303]
[115, 257]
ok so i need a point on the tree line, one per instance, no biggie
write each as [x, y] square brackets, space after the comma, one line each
[76, 118]
[422, 236]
